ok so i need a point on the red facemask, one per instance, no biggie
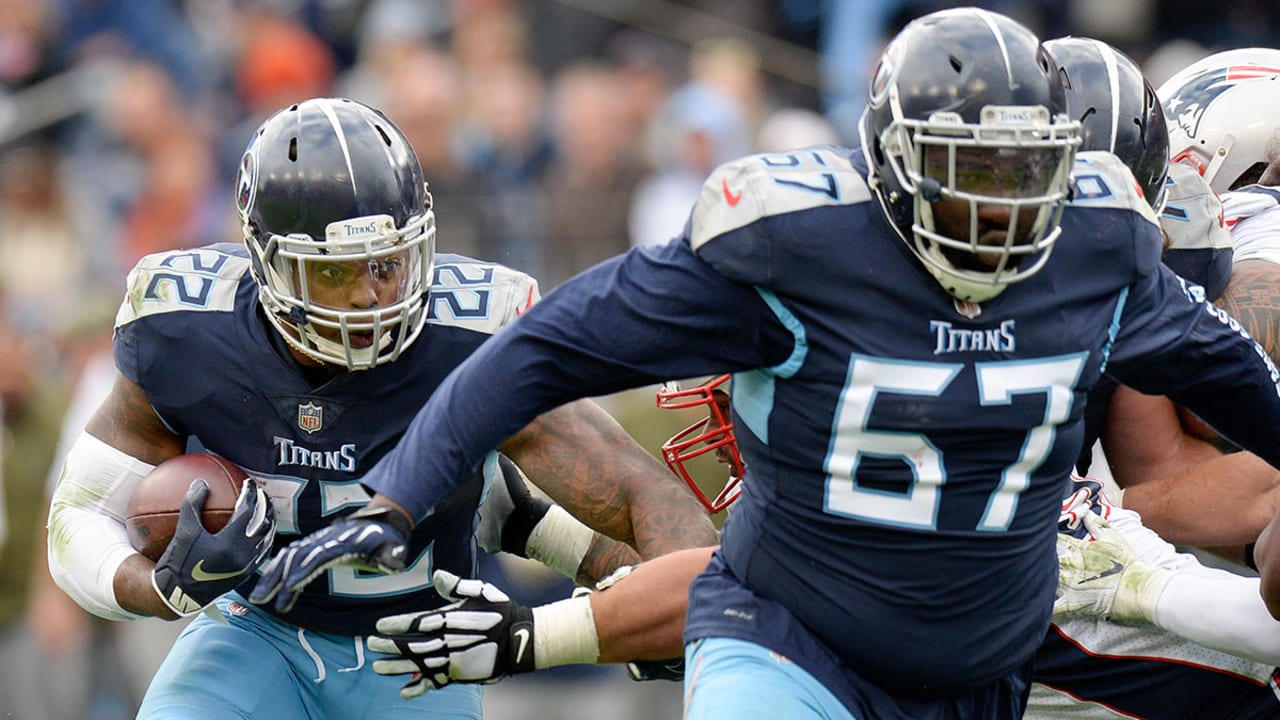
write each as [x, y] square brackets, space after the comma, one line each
[712, 434]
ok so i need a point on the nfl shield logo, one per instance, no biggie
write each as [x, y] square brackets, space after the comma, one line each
[310, 417]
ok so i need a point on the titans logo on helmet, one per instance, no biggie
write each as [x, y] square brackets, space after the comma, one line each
[885, 75]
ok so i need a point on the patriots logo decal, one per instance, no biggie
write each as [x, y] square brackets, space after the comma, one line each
[1187, 105]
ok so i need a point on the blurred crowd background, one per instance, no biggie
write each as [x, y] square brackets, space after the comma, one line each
[554, 134]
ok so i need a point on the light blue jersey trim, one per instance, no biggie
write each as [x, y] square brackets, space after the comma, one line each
[1114, 329]
[753, 390]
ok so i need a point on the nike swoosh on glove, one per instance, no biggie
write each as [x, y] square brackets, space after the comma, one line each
[199, 566]
[480, 637]
[1104, 578]
[373, 538]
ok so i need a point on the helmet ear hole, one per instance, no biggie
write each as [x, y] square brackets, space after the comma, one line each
[1250, 176]
[878, 150]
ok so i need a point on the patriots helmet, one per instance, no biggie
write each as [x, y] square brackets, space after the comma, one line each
[1117, 108]
[1222, 114]
[337, 218]
[712, 434]
[966, 117]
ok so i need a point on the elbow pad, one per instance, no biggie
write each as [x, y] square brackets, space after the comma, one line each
[87, 538]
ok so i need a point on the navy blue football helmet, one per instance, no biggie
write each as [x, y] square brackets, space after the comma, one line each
[333, 204]
[966, 108]
[1117, 108]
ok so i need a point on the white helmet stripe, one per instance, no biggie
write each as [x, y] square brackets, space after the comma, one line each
[999, 36]
[1108, 55]
[326, 107]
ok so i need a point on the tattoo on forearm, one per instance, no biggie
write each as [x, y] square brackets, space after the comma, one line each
[584, 460]
[603, 557]
[1253, 298]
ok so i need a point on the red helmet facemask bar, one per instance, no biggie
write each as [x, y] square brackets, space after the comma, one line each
[711, 434]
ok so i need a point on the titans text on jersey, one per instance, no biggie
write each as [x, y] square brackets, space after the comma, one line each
[190, 334]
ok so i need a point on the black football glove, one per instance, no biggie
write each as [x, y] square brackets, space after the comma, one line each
[510, 512]
[643, 670]
[372, 538]
[481, 637]
[198, 566]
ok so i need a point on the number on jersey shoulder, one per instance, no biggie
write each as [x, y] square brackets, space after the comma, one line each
[479, 296]
[200, 280]
[752, 188]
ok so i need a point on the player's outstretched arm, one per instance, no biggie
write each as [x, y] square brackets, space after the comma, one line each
[1175, 479]
[641, 617]
[1224, 502]
[586, 462]
[1210, 607]
[482, 636]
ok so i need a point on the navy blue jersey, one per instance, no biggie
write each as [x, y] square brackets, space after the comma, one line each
[906, 453]
[192, 336]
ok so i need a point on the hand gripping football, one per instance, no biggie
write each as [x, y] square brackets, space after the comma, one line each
[152, 514]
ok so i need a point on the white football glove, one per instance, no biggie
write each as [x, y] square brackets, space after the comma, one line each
[481, 637]
[1104, 578]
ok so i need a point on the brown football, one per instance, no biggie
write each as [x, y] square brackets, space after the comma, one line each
[152, 514]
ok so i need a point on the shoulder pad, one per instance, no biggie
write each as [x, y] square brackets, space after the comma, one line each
[1193, 216]
[739, 193]
[1100, 179]
[197, 280]
[478, 296]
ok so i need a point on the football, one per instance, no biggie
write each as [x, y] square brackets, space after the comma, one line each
[152, 515]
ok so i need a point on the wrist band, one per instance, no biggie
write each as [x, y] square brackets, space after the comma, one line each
[560, 542]
[565, 633]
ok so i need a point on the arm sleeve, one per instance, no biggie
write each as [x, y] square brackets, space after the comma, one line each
[649, 315]
[1207, 606]
[87, 538]
[1220, 610]
[1170, 341]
